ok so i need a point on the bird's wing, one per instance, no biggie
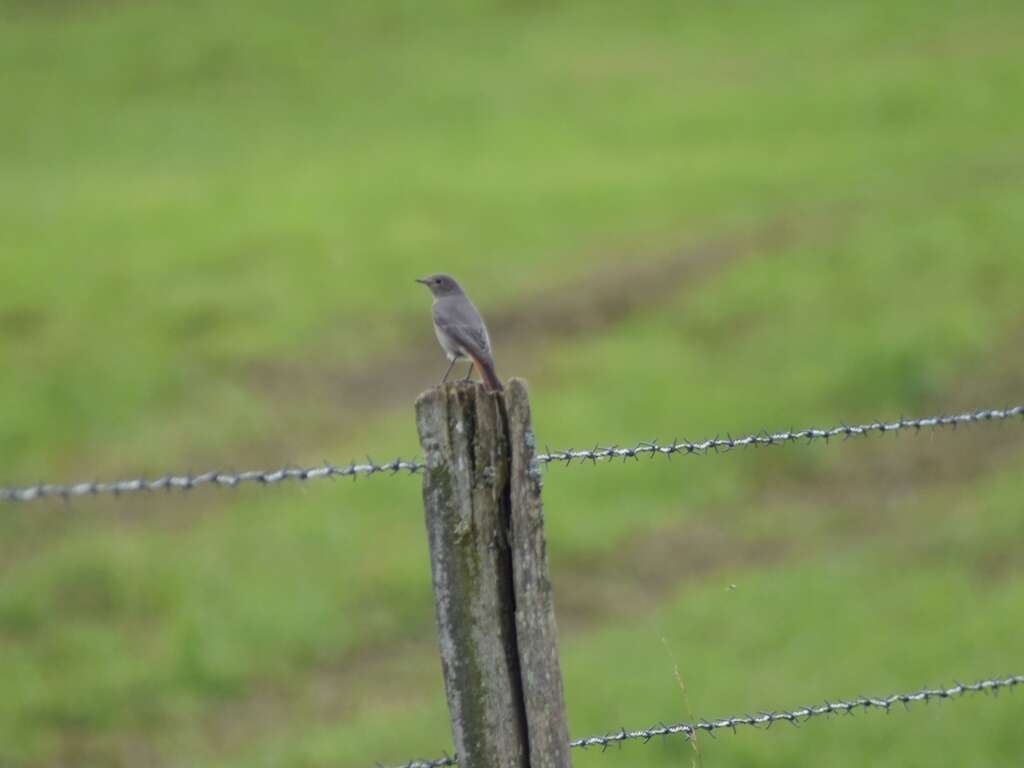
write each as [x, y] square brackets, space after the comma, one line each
[462, 321]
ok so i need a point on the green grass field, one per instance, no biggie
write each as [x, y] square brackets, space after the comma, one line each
[681, 221]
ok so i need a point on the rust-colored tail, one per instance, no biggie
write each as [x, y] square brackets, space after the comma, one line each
[488, 374]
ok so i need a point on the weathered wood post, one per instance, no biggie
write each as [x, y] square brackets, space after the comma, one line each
[492, 594]
[536, 634]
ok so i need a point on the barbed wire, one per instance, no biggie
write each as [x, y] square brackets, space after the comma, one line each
[762, 439]
[767, 719]
[801, 714]
[441, 762]
[649, 448]
[225, 479]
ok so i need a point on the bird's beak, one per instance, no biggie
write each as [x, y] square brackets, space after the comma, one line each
[422, 280]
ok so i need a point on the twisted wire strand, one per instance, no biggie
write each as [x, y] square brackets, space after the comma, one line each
[801, 714]
[441, 762]
[649, 448]
[761, 439]
[224, 479]
[767, 719]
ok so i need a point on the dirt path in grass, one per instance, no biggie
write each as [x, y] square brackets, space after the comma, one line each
[587, 305]
[318, 404]
[874, 492]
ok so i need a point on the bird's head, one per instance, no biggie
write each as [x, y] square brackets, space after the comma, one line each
[441, 285]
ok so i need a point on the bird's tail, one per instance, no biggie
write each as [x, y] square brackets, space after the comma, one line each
[488, 374]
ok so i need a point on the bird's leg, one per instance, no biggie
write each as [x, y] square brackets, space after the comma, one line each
[469, 373]
[445, 377]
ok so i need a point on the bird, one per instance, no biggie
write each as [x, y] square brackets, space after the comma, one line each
[460, 329]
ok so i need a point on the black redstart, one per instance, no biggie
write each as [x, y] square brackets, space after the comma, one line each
[460, 329]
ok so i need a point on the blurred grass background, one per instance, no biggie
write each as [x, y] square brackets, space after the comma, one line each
[679, 219]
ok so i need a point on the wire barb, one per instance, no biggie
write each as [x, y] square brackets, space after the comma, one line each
[794, 717]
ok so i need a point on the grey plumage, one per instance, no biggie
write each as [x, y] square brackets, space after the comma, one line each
[460, 329]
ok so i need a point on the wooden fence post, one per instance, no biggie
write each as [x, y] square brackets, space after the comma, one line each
[536, 634]
[492, 597]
